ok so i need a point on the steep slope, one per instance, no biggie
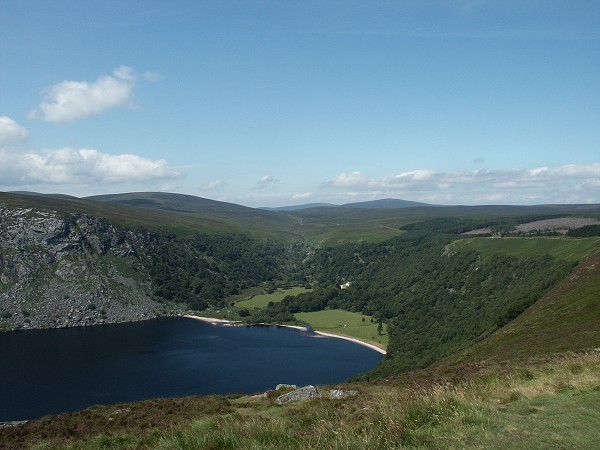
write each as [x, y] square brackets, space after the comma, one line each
[63, 267]
[66, 270]
[567, 318]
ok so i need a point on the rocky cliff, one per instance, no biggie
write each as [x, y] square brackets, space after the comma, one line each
[60, 270]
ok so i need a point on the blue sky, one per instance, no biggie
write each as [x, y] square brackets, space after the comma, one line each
[271, 103]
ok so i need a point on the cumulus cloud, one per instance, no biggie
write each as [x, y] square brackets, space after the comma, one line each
[11, 131]
[264, 181]
[68, 101]
[350, 180]
[267, 179]
[216, 185]
[568, 183]
[81, 166]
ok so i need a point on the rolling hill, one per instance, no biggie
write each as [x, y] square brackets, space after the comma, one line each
[162, 211]
[371, 204]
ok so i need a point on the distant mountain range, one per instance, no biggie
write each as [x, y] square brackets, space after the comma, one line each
[184, 203]
[171, 202]
[38, 194]
[191, 203]
[386, 203]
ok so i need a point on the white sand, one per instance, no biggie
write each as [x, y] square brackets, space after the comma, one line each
[214, 321]
[295, 327]
[357, 341]
[210, 320]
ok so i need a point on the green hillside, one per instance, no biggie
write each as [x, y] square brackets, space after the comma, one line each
[490, 341]
[566, 319]
[169, 212]
[557, 247]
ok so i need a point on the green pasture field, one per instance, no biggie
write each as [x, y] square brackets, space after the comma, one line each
[570, 249]
[262, 300]
[345, 323]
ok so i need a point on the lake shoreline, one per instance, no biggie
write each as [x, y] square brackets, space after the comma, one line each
[56, 371]
[211, 320]
[214, 321]
[355, 340]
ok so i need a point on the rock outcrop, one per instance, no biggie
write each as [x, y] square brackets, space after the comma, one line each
[59, 270]
[341, 393]
[297, 395]
[279, 387]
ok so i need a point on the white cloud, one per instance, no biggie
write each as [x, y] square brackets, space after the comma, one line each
[413, 176]
[124, 73]
[302, 195]
[349, 180]
[216, 185]
[264, 181]
[11, 131]
[267, 179]
[568, 183]
[72, 100]
[79, 166]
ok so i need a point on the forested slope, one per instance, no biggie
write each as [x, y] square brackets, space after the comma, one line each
[61, 267]
[435, 296]
[567, 318]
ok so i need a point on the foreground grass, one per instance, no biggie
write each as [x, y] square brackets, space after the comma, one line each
[554, 403]
[345, 323]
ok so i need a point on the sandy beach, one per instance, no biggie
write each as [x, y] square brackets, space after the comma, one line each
[295, 327]
[357, 341]
[214, 321]
[210, 320]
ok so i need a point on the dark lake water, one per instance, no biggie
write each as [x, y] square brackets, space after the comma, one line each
[51, 371]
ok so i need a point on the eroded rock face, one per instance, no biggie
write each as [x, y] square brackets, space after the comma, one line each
[301, 394]
[60, 270]
[340, 393]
